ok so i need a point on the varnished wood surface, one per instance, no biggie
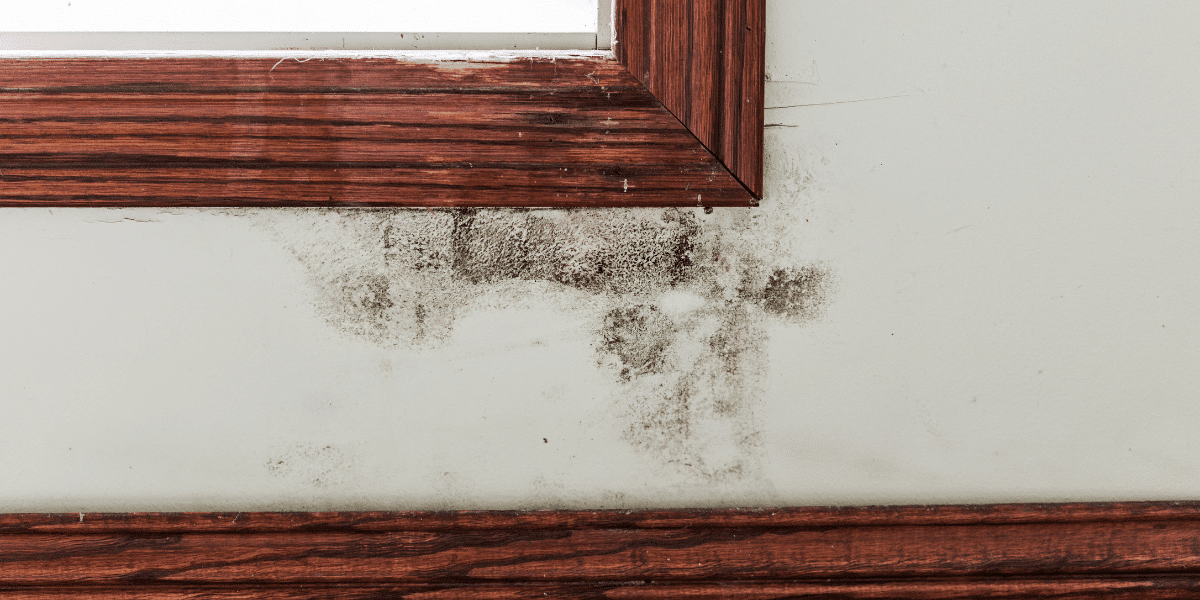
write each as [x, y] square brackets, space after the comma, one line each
[1157, 588]
[788, 517]
[1131, 550]
[241, 132]
[705, 60]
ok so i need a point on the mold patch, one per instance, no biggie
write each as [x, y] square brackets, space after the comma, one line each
[317, 465]
[400, 277]
[797, 294]
[686, 375]
[636, 339]
[698, 413]
[381, 275]
[583, 249]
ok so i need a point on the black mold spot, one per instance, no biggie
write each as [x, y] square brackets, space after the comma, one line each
[419, 318]
[727, 349]
[318, 465]
[688, 378]
[627, 255]
[637, 337]
[365, 303]
[413, 249]
[794, 293]
[371, 294]
[798, 294]
[666, 426]
[400, 277]
[699, 416]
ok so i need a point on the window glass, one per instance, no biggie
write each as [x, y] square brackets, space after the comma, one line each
[516, 16]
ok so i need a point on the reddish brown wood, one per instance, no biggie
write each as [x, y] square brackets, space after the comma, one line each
[224, 132]
[1133, 550]
[793, 517]
[704, 75]
[1158, 588]
[745, 31]
[670, 46]
[705, 61]
[633, 37]
[676, 121]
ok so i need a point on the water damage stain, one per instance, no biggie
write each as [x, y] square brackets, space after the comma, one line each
[686, 297]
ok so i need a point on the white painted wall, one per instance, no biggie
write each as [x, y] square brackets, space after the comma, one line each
[1005, 196]
[1017, 236]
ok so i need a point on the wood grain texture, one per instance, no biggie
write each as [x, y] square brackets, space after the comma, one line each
[705, 61]
[1132, 550]
[246, 132]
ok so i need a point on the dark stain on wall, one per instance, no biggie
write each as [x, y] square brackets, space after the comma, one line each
[637, 337]
[587, 252]
[688, 300]
[797, 293]
[699, 413]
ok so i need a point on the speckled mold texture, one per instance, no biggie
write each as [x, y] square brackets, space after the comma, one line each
[316, 465]
[681, 300]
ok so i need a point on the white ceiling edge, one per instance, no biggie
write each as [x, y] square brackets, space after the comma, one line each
[30, 43]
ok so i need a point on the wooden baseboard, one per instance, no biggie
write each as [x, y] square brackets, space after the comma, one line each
[1123, 550]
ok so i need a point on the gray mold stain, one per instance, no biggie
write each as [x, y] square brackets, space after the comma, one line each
[795, 293]
[688, 381]
[586, 250]
[318, 465]
[637, 337]
[381, 275]
[696, 411]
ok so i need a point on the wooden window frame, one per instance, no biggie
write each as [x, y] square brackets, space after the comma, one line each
[674, 119]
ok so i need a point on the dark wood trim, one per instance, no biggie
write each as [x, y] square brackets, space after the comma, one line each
[371, 132]
[705, 61]
[1125, 550]
[225, 132]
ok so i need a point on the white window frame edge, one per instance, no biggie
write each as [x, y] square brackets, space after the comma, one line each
[315, 44]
